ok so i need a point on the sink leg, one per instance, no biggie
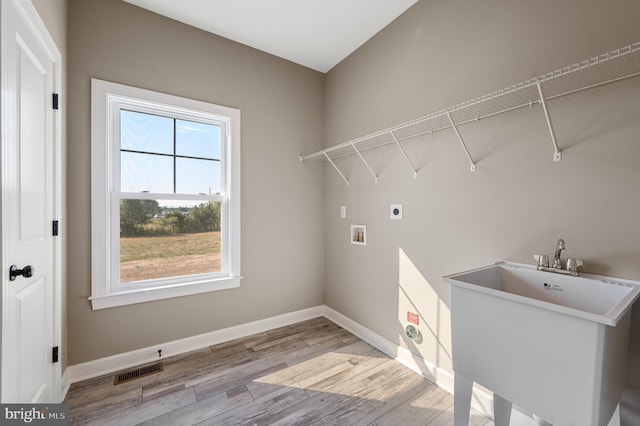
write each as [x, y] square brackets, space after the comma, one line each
[501, 410]
[462, 388]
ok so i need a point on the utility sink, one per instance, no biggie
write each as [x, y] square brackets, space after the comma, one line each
[555, 345]
[591, 297]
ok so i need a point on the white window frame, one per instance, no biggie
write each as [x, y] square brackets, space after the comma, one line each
[107, 99]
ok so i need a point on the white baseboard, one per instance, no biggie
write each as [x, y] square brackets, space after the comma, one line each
[88, 370]
[361, 331]
[65, 384]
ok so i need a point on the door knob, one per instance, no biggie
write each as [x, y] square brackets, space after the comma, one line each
[14, 272]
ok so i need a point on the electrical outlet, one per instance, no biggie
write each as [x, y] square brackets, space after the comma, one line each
[395, 211]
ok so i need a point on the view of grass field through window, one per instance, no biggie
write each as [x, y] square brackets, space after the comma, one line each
[162, 242]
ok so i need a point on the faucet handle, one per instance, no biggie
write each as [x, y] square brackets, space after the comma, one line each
[573, 264]
[543, 259]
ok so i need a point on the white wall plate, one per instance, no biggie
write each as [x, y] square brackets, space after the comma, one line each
[395, 211]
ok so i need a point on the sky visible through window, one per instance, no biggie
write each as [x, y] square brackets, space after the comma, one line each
[168, 156]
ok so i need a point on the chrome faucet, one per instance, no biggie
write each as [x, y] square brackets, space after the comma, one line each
[572, 265]
[556, 259]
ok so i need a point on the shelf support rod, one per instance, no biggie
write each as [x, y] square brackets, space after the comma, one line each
[557, 155]
[466, 151]
[404, 154]
[346, 181]
[375, 178]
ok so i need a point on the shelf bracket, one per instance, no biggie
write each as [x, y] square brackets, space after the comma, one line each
[346, 181]
[375, 178]
[404, 154]
[466, 151]
[557, 155]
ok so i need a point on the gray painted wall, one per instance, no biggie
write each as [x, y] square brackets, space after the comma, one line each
[282, 215]
[54, 15]
[519, 201]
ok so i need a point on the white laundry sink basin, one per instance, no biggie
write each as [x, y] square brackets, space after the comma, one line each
[552, 344]
[601, 299]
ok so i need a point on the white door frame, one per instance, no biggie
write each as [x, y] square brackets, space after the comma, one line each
[30, 14]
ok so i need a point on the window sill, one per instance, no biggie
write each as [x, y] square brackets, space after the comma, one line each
[130, 297]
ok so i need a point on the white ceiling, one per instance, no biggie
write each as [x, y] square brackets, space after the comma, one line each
[315, 33]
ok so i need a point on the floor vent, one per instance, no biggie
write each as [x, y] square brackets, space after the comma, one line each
[137, 373]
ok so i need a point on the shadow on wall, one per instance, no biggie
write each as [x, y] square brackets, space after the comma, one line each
[417, 295]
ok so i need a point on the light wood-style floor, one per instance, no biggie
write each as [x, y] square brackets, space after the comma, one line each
[310, 373]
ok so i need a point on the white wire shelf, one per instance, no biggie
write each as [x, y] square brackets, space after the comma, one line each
[607, 68]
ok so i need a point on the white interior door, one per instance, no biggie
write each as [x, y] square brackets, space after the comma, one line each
[28, 209]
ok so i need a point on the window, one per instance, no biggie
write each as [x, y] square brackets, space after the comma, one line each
[165, 196]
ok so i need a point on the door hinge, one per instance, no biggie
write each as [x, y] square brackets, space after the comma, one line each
[55, 101]
[54, 228]
[54, 354]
